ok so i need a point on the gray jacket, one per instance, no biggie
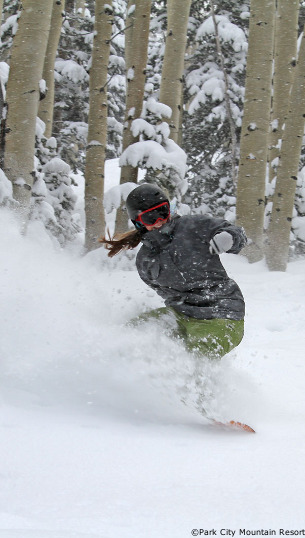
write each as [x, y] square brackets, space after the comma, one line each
[175, 261]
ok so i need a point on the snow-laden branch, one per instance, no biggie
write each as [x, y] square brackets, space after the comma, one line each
[153, 155]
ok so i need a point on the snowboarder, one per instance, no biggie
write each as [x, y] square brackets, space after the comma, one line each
[179, 259]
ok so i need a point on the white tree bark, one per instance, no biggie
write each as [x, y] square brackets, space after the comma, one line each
[285, 53]
[1, 9]
[136, 45]
[26, 65]
[283, 199]
[250, 204]
[46, 106]
[173, 63]
[97, 124]
[80, 7]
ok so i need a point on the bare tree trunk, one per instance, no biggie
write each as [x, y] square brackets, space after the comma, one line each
[173, 63]
[97, 124]
[180, 125]
[46, 106]
[250, 205]
[2, 102]
[2, 124]
[283, 200]
[27, 59]
[80, 7]
[285, 53]
[136, 45]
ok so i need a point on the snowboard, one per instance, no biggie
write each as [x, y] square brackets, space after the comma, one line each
[233, 425]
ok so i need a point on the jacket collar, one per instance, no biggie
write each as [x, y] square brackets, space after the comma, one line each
[158, 239]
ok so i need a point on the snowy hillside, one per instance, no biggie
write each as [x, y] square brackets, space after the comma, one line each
[95, 442]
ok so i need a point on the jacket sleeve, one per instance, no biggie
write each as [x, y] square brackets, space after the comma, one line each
[238, 233]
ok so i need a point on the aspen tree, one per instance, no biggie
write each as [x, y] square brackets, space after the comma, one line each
[79, 12]
[26, 66]
[173, 63]
[46, 106]
[283, 199]
[250, 204]
[285, 53]
[97, 124]
[80, 7]
[136, 46]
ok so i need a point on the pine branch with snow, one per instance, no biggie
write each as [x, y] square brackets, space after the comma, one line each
[53, 201]
[163, 159]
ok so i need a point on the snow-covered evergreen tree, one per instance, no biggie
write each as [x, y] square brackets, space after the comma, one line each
[156, 46]
[206, 135]
[163, 159]
[72, 86]
[10, 15]
[6, 191]
[53, 199]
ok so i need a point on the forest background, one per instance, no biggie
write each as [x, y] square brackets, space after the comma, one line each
[208, 98]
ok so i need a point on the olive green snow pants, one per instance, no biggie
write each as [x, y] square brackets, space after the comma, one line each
[212, 338]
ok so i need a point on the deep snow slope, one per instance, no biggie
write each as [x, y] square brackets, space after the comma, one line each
[95, 441]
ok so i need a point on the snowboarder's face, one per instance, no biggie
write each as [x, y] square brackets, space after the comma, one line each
[156, 226]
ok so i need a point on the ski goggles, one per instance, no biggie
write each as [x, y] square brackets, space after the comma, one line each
[154, 214]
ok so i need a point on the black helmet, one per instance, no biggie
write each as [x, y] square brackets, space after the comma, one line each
[144, 197]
